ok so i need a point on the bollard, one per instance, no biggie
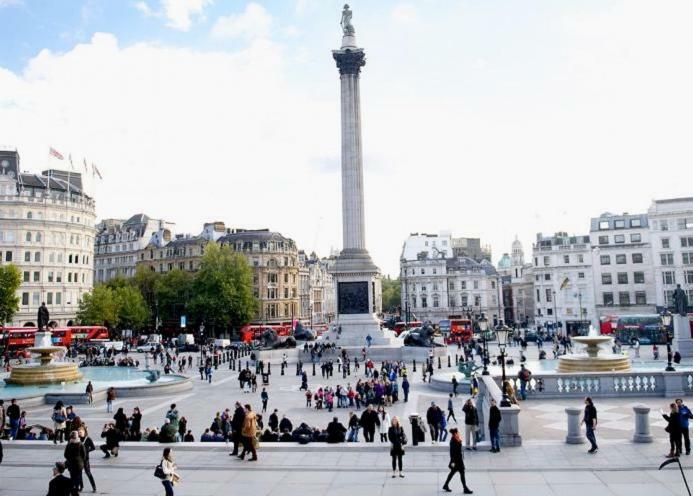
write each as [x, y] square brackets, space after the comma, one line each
[313, 368]
[574, 434]
[239, 365]
[232, 364]
[414, 368]
[642, 424]
[247, 364]
[269, 368]
[449, 364]
[282, 368]
[439, 366]
[457, 360]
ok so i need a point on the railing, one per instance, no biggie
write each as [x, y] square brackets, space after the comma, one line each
[645, 383]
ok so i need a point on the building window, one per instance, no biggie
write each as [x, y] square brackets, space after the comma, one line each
[436, 302]
[620, 259]
[435, 271]
[581, 275]
[549, 311]
[58, 298]
[665, 243]
[640, 298]
[637, 258]
[452, 286]
[49, 298]
[666, 258]
[27, 256]
[619, 224]
[25, 299]
[37, 256]
[50, 276]
[8, 256]
[639, 277]
[581, 259]
[687, 258]
[687, 242]
[664, 224]
[603, 224]
[435, 286]
[28, 237]
[538, 297]
[27, 276]
[603, 240]
[688, 277]
[608, 299]
[566, 259]
[606, 278]
[424, 302]
[548, 295]
[624, 298]
[635, 238]
[465, 300]
[605, 259]
[547, 277]
[547, 261]
[476, 284]
[619, 238]
[37, 276]
[635, 223]
[622, 277]
[35, 299]
[669, 297]
[477, 301]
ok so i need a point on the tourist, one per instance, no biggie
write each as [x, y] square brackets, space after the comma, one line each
[248, 434]
[384, 427]
[524, 375]
[335, 431]
[59, 418]
[451, 411]
[136, 423]
[494, 421]
[110, 434]
[89, 446]
[674, 429]
[455, 384]
[110, 398]
[590, 420]
[433, 420]
[655, 352]
[121, 423]
[684, 416]
[172, 416]
[304, 381]
[369, 421]
[75, 456]
[236, 427]
[285, 425]
[168, 467]
[405, 389]
[456, 462]
[182, 427]
[273, 422]
[265, 398]
[471, 424]
[397, 441]
[442, 427]
[354, 427]
[90, 393]
[168, 433]
[188, 437]
[59, 484]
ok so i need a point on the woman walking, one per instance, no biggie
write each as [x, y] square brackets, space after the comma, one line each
[384, 424]
[456, 462]
[397, 441]
[171, 477]
[59, 418]
[75, 456]
[674, 429]
[89, 446]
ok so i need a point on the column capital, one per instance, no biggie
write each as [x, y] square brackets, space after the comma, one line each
[349, 61]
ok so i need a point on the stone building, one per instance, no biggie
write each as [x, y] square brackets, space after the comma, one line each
[622, 260]
[47, 231]
[437, 285]
[320, 289]
[118, 244]
[518, 287]
[563, 285]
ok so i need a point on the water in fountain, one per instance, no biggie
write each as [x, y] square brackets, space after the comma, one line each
[593, 359]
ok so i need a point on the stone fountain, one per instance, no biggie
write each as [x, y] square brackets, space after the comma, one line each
[46, 371]
[590, 360]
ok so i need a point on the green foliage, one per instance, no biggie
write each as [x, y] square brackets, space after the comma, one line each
[172, 291]
[122, 307]
[392, 294]
[223, 289]
[10, 280]
[132, 310]
[145, 280]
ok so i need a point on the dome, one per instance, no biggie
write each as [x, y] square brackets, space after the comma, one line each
[517, 246]
[504, 262]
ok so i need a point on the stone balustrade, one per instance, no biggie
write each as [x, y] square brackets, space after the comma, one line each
[609, 384]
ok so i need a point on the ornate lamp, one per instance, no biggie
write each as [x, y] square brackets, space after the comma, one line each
[666, 318]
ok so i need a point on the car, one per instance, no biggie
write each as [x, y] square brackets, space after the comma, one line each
[146, 348]
[187, 347]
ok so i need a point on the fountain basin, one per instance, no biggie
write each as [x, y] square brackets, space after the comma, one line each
[583, 362]
[39, 375]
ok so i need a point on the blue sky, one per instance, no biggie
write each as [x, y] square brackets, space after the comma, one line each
[486, 118]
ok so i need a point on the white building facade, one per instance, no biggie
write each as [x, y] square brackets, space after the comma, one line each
[47, 231]
[563, 282]
[671, 236]
[624, 282]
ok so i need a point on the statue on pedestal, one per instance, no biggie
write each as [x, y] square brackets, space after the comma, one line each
[43, 317]
[680, 301]
[347, 27]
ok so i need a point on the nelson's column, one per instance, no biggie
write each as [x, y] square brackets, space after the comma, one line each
[357, 278]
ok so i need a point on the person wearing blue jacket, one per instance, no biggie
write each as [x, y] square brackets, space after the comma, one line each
[684, 416]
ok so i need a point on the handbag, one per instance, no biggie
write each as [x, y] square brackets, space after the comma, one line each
[159, 472]
[58, 418]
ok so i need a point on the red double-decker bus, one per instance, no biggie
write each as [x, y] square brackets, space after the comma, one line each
[87, 333]
[461, 330]
[19, 338]
[252, 332]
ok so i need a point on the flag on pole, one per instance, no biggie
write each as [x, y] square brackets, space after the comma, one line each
[55, 153]
[86, 169]
[72, 166]
[565, 283]
[95, 170]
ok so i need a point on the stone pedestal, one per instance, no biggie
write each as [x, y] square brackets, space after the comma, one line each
[642, 424]
[574, 433]
[683, 343]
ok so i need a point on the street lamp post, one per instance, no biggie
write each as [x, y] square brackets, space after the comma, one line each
[503, 334]
[666, 322]
[483, 327]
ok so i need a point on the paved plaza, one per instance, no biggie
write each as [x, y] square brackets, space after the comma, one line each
[543, 465]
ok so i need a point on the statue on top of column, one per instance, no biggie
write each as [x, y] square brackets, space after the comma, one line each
[680, 301]
[347, 27]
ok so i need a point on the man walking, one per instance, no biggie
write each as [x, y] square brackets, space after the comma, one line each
[265, 398]
[494, 421]
[590, 420]
[524, 375]
[684, 416]
[451, 411]
[369, 421]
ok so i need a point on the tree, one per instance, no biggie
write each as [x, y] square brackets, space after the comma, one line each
[98, 307]
[173, 291]
[10, 280]
[132, 312]
[145, 280]
[392, 294]
[223, 289]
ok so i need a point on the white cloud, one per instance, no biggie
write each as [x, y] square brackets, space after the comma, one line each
[7, 3]
[144, 8]
[253, 22]
[180, 13]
